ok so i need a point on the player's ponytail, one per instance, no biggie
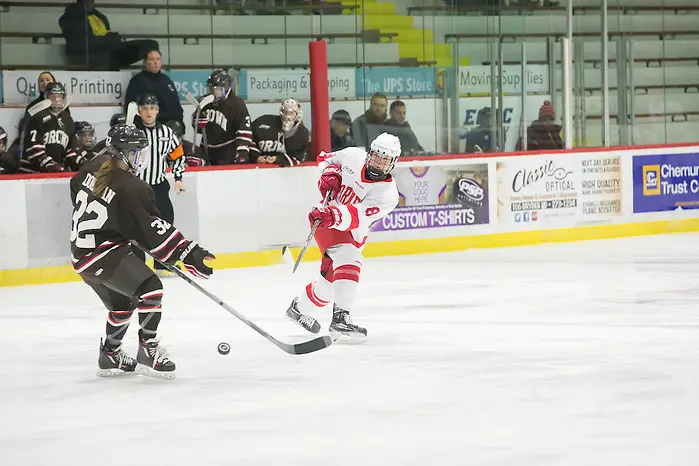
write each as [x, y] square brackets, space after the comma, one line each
[103, 176]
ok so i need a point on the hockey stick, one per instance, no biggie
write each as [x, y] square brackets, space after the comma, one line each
[306, 347]
[198, 106]
[310, 236]
[131, 111]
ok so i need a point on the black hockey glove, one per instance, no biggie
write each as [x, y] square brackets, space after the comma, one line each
[242, 156]
[193, 257]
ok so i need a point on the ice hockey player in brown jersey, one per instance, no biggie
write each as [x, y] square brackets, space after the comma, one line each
[49, 136]
[224, 123]
[280, 139]
[85, 136]
[112, 207]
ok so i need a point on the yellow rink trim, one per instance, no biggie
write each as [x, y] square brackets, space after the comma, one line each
[63, 274]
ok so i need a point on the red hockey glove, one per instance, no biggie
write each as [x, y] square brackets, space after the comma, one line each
[326, 215]
[330, 180]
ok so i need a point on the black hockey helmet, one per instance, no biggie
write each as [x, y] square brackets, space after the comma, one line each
[56, 93]
[129, 144]
[177, 127]
[147, 98]
[219, 84]
[117, 119]
[85, 133]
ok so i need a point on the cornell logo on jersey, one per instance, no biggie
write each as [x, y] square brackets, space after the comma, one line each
[56, 136]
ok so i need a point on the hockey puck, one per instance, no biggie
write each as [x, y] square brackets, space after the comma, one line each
[224, 348]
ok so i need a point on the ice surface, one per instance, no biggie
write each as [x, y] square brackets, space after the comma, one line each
[570, 354]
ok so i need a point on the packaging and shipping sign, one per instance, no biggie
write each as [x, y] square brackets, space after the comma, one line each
[579, 188]
[665, 182]
[438, 196]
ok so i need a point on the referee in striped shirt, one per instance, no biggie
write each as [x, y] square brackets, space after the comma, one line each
[165, 150]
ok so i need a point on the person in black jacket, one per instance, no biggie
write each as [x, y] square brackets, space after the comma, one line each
[341, 131]
[398, 126]
[91, 42]
[152, 81]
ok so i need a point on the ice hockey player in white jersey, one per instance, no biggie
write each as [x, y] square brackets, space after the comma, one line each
[362, 192]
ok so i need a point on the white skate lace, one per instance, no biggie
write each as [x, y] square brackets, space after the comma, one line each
[122, 358]
[158, 353]
[306, 321]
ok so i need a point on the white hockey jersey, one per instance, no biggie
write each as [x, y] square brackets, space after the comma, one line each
[361, 202]
[421, 185]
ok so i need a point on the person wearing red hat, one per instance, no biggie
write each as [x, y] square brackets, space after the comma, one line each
[544, 133]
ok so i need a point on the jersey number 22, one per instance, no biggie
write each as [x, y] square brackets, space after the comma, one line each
[80, 225]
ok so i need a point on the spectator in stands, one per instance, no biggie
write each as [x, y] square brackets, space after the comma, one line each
[364, 126]
[544, 133]
[152, 81]
[90, 40]
[398, 126]
[341, 130]
[480, 138]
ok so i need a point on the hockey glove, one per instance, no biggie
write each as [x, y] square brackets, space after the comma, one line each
[193, 257]
[52, 166]
[330, 180]
[326, 215]
[242, 156]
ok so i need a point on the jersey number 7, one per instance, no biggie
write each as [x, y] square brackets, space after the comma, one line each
[81, 225]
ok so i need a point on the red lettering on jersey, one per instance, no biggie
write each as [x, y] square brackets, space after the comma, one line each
[347, 195]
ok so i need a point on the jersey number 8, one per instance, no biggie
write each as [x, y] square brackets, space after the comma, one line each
[80, 226]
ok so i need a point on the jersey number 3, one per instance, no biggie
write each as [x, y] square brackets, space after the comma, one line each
[80, 225]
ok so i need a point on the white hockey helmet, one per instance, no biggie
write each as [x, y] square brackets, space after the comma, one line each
[291, 114]
[383, 155]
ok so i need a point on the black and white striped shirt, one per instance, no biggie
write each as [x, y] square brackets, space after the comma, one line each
[165, 149]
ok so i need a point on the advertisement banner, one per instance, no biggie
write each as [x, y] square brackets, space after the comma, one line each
[279, 84]
[193, 81]
[437, 196]
[665, 182]
[396, 82]
[85, 87]
[583, 188]
[478, 79]
[471, 110]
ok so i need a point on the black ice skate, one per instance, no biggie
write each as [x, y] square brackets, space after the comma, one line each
[305, 321]
[114, 361]
[153, 360]
[342, 325]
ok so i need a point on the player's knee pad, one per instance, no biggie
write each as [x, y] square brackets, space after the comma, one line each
[119, 318]
[347, 263]
[150, 295]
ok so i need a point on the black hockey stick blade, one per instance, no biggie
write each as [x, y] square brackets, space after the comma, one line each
[311, 345]
[300, 348]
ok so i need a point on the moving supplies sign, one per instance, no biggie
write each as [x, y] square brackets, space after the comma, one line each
[576, 187]
[665, 182]
[434, 197]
